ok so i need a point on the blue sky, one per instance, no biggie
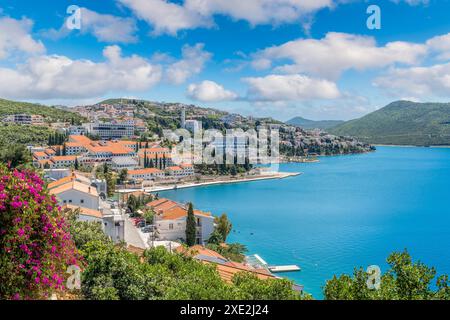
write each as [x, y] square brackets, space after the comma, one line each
[279, 58]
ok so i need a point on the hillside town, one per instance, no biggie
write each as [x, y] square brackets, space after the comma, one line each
[109, 166]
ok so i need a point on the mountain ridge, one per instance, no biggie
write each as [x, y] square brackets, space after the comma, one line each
[402, 123]
[313, 124]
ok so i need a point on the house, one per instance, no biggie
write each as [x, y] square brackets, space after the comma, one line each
[75, 193]
[85, 214]
[181, 171]
[113, 224]
[62, 161]
[145, 174]
[112, 130]
[226, 268]
[120, 163]
[73, 148]
[98, 184]
[170, 221]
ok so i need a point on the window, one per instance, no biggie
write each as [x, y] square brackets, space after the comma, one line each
[171, 226]
[70, 201]
[82, 201]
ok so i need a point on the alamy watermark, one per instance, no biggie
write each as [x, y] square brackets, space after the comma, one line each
[74, 20]
[374, 20]
[374, 279]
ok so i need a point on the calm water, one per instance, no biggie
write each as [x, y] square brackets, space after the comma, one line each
[343, 212]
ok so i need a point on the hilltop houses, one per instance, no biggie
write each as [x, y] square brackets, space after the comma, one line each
[170, 221]
[144, 161]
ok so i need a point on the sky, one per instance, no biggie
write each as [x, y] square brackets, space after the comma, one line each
[281, 58]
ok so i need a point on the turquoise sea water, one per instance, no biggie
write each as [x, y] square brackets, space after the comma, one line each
[341, 213]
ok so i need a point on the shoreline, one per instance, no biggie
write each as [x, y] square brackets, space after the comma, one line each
[411, 146]
[278, 175]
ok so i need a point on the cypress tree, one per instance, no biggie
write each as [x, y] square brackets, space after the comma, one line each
[190, 226]
[145, 159]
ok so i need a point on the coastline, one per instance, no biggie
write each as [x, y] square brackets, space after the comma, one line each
[277, 175]
[411, 146]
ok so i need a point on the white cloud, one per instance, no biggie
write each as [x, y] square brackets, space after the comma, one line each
[166, 17]
[170, 17]
[258, 11]
[290, 87]
[441, 46]
[105, 27]
[14, 36]
[417, 81]
[210, 91]
[51, 77]
[192, 62]
[330, 56]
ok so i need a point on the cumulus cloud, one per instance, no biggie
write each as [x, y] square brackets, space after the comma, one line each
[166, 17]
[170, 17]
[105, 27]
[417, 81]
[330, 56]
[15, 36]
[54, 76]
[210, 91]
[192, 62]
[441, 46]
[290, 87]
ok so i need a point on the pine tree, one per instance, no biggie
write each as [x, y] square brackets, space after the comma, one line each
[190, 226]
[76, 165]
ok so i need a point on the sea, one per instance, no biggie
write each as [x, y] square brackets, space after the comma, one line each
[341, 213]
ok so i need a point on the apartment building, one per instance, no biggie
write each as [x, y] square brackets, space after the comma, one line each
[170, 221]
[112, 130]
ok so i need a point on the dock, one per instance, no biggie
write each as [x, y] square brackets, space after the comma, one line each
[257, 261]
[288, 268]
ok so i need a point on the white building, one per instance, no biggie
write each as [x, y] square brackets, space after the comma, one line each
[112, 130]
[120, 163]
[170, 221]
[62, 161]
[78, 194]
[145, 174]
[181, 171]
[113, 224]
[30, 119]
[76, 130]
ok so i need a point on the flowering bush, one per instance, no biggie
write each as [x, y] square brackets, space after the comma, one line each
[36, 246]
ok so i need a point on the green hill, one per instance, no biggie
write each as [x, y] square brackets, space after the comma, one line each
[311, 124]
[51, 114]
[402, 123]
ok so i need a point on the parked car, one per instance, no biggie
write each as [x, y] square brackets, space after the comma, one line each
[147, 229]
[140, 224]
